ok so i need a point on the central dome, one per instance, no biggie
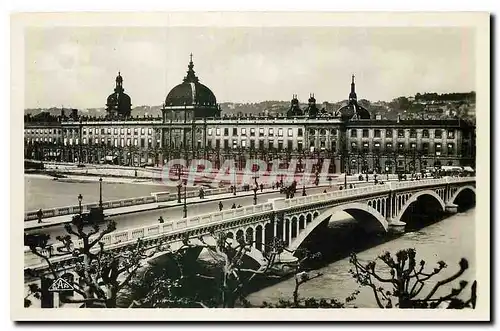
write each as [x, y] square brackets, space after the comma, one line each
[190, 92]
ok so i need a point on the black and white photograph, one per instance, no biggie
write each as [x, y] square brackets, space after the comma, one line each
[268, 163]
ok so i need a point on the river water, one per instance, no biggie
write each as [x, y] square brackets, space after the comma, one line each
[43, 192]
[449, 240]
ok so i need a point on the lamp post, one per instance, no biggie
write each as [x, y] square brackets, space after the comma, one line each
[234, 182]
[185, 203]
[100, 192]
[80, 198]
[345, 179]
[255, 179]
[255, 195]
[304, 191]
[179, 193]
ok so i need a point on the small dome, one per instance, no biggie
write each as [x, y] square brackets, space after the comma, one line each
[119, 103]
[311, 99]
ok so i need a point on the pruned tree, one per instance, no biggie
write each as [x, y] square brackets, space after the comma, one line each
[101, 274]
[406, 279]
[172, 283]
[223, 286]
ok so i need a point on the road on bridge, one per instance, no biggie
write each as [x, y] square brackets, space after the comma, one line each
[208, 205]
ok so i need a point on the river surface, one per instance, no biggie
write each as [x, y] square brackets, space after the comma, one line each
[449, 240]
[43, 192]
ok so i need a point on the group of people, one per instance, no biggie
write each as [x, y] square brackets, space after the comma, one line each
[221, 206]
[278, 185]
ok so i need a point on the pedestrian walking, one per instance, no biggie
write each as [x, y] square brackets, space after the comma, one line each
[261, 187]
[161, 220]
[39, 215]
[233, 206]
[220, 205]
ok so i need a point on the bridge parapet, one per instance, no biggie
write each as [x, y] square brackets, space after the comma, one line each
[130, 235]
[336, 195]
[429, 182]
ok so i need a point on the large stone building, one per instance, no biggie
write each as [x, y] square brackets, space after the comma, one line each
[192, 127]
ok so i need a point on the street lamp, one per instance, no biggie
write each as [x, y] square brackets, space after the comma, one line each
[234, 182]
[179, 193]
[80, 198]
[185, 204]
[255, 195]
[100, 192]
[255, 179]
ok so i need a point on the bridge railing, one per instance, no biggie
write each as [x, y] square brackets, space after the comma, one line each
[157, 229]
[427, 182]
[336, 195]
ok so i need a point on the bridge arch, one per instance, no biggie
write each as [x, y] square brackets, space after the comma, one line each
[414, 198]
[355, 209]
[460, 190]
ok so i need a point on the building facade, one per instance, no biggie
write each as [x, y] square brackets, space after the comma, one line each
[191, 127]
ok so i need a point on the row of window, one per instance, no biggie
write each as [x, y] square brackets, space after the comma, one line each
[115, 131]
[42, 131]
[400, 146]
[252, 132]
[109, 142]
[90, 131]
[261, 144]
[401, 133]
[450, 134]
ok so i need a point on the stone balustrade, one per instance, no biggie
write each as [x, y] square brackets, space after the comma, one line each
[133, 234]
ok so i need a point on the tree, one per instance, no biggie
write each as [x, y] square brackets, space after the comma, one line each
[102, 274]
[172, 283]
[408, 279]
[181, 284]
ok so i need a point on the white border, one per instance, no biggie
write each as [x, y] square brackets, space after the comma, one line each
[322, 19]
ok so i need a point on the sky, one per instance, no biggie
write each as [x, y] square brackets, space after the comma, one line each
[76, 66]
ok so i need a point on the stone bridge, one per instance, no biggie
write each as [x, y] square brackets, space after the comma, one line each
[378, 208]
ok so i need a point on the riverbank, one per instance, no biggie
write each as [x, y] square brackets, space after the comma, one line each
[81, 178]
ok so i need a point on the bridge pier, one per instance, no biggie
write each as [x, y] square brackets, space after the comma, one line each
[451, 208]
[396, 226]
